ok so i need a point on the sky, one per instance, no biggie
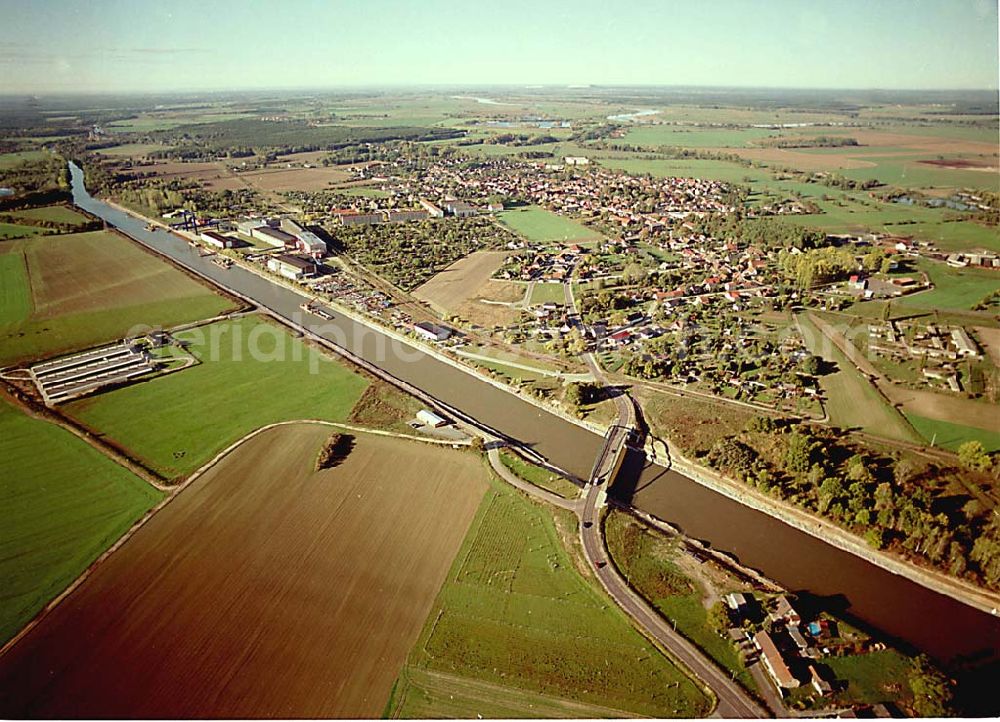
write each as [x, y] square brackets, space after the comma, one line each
[49, 46]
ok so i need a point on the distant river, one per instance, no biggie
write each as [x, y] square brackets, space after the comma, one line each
[630, 117]
[891, 604]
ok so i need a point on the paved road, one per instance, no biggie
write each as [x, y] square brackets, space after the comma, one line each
[733, 701]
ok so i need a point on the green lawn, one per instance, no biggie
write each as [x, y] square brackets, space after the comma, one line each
[538, 224]
[62, 503]
[15, 293]
[687, 168]
[951, 436]
[58, 214]
[545, 292]
[539, 477]
[515, 613]
[252, 373]
[871, 678]
[646, 560]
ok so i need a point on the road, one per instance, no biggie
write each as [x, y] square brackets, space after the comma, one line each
[733, 702]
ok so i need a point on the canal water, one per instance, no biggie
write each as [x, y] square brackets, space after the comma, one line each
[890, 604]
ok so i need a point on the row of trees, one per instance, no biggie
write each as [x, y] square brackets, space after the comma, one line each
[891, 502]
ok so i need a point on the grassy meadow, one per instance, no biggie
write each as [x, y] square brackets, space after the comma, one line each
[516, 623]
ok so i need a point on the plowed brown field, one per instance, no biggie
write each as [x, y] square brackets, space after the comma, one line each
[264, 590]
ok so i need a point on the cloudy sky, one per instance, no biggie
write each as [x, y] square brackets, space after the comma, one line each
[138, 45]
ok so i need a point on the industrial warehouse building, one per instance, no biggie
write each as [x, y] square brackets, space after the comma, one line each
[292, 267]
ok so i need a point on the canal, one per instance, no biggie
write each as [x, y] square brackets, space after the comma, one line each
[888, 603]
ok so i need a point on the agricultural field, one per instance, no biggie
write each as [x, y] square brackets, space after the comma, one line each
[62, 503]
[9, 160]
[851, 401]
[539, 225]
[85, 288]
[15, 230]
[279, 180]
[176, 423]
[460, 282]
[515, 613]
[954, 288]
[132, 150]
[654, 135]
[303, 590]
[950, 435]
[55, 214]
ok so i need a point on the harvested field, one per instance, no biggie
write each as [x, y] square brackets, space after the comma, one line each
[477, 311]
[461, 281]
[85, 288]
[960, 164]
[989, 338]
[796, 158]
[294, 179]
[263, 590]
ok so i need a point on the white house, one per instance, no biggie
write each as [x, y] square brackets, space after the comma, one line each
[292, 267]
[216, 239]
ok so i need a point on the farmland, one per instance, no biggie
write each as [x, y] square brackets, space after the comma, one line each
[85, 288]
[515, 613]
[538, 224]
[175, 423]
[54, 214]
[61, 504]
[851, 401]
[951, 435]
[954, 288]
[653, 136]
[16, 230]
[461, 281]
[303, 590]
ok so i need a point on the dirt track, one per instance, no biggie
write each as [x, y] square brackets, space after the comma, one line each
[263, 590]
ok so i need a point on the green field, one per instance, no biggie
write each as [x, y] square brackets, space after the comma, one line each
[718, 170]
[851, 401]
[87, 288]
[9, 160]
[14, 230]
[252, 373]
[871, 677]
[546, 292]
[647, 560]
[62, 503]
[653, 136]
[951, 436]
[15, 291]
[540, 225]
[539, 477]
[57, 214]
[514, 613]
[954, 288]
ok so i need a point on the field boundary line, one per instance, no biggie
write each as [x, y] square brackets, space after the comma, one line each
[173, 493]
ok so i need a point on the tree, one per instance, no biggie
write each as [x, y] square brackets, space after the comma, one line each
[811, 365]
[718, 617]
[932, 691]
[972, 456]
[799, 453]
